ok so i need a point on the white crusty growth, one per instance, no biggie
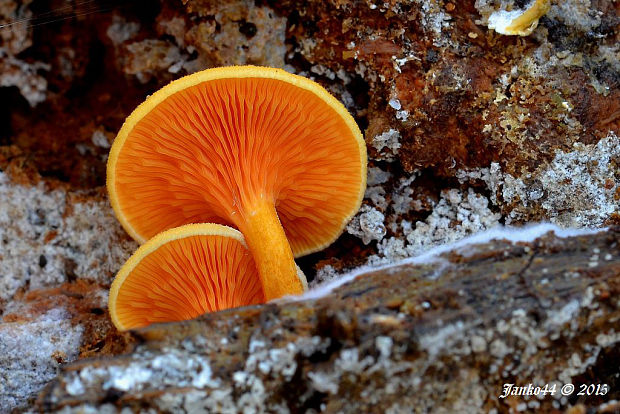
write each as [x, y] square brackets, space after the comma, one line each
[511, 234]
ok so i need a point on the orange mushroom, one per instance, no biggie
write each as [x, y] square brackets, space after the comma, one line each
[183, 273]
[270, 153]
[519, 22]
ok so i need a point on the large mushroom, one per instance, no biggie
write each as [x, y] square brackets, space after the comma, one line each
[182, 273]
[270, 153]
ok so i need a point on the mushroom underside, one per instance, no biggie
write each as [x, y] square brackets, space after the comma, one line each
[211, 152]
[184, 273]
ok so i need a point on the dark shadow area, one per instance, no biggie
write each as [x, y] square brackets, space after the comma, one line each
[10, 100]
[87, 90]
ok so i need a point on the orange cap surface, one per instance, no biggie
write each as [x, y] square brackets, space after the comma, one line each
[183, 273]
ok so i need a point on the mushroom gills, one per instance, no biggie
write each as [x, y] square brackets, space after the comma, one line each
[183, 273]
[267, 152]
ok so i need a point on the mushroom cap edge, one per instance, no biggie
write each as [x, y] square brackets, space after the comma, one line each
[231, 72]
[188, 230]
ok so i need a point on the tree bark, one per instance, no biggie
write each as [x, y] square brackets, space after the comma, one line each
[443, 336]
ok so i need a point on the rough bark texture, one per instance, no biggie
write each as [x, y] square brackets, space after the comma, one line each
[438, 337]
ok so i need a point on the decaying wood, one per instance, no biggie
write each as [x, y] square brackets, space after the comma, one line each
[441, 336]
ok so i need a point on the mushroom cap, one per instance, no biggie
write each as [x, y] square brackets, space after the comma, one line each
[183, 273]
[208, 145]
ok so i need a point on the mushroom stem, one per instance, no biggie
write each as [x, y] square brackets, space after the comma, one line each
[272, 253]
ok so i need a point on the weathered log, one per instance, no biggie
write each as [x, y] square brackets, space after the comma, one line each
[441, 336]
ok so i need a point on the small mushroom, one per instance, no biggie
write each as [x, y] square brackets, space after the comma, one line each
[182, 273]
[268, 152]
[519, 22]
